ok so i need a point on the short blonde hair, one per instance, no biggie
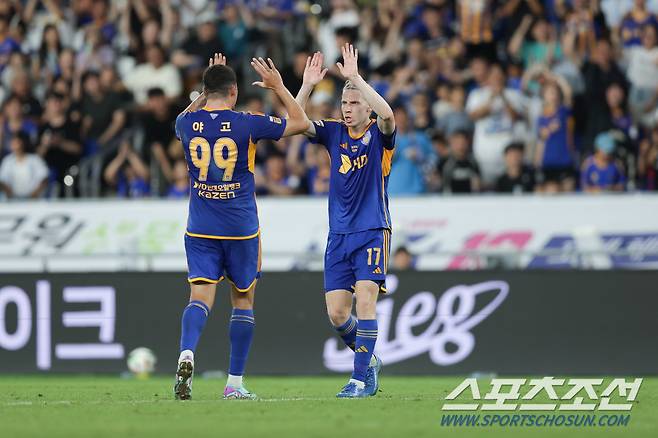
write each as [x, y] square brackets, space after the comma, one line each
[350, 86]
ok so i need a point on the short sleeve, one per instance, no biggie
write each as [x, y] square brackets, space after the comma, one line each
[323, 129]
[473, 101]
[40, 168]
[179, 126]
[266, 127]
[5, 171]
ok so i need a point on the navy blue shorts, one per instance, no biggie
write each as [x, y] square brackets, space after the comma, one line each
[356, 256]
[212, 260]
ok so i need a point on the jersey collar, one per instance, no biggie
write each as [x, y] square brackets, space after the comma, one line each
[207, 108]
[356, 137]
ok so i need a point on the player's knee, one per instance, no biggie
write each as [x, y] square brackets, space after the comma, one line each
[338, 316]
[203, 293]
[242, 300]
[242, 303]
[366, 309]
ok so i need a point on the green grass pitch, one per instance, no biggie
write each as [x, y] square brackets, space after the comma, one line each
[95, 407]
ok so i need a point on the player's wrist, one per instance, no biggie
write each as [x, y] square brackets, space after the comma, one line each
[279, 87]
[355, 78]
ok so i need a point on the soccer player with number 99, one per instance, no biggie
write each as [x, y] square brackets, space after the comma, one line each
[223, 236]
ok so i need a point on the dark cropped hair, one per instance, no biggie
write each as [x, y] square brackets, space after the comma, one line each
[218, 79]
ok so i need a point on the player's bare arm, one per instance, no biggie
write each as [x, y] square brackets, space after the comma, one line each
[314, 72]
[200, 101]
[350, 71]
[297, 122]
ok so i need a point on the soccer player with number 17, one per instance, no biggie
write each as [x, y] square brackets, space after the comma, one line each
[223, 236]
[356, 258]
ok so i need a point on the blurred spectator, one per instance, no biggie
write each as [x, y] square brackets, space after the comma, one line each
[381, 31]
[476, 18]
[599, 71]
[292, 76]
[320, 172]
[455, 117]
[343, 15]
[199, 47]
[555, 145]
[22, 174]
[440, 60]
[103, 117]
[59, 143]
[479, 72]
[600, 171]
[47, 63]
[647, 165]
[158, 123]
[413, 158]
[543, 48]
[155, 72]
[495, 111]
[634, 21]
[13, 122]
[180, 187]
[420, 112]
[643, 73]
[8, 44]
[234, 30]
[21, 89]
[127, 174]
[620, 117]
[460, 173]
[403, 260]
[275, 180]
[518, 178]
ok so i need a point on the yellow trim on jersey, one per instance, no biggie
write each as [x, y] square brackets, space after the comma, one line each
[260, 250]
[388, 223]
[387, 161]
[242, 290]
[251, 156]
[208, 280]
[207, 108]
[207, 236]
[349, 131]
[387, 248]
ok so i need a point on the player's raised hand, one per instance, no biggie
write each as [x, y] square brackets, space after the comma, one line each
[313, 72]
[218, 59]
[349, 69]
[271, 78]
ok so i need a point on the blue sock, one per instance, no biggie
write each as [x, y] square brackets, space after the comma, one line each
[241, 332]
[366, 336]
[193, 321]
[347, 332]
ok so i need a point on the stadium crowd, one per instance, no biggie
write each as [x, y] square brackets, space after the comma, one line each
[489, 95]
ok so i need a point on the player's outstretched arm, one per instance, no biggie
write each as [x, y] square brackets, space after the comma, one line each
[350, 71]
[313, 74]
[200, 101]
[296, 122]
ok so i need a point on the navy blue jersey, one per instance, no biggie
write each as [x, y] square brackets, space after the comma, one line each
[220, 149]
[360, 166]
